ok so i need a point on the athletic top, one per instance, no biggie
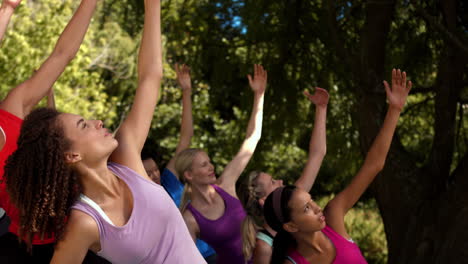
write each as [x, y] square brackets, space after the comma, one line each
[10, 126]
[224, 233]
[155, 231]
[347, 252]
[175, 189]
[265, 236]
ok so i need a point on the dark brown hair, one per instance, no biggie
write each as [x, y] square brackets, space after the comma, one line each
[39, 182]
[283, 240]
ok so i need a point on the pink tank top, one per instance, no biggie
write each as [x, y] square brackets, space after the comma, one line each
[155, 231]
[347, 252]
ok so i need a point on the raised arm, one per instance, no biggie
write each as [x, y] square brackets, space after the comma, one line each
[25, 96]
[134, 129]
[186, 127]
[51, 99]
[6, 11]
[375, 158]
[318, 140]
[254, 130]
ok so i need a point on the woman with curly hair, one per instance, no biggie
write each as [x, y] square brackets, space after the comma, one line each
[14, 108]
[71, 176]
[306, 234]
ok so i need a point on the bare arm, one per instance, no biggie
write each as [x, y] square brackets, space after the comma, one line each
[51, 99]
[375, 158]
[6, 11]
[262, 252]
[192, 225]
[318, 140]
[134, 129]
[25, 96]
[186, 127]
[81, 233]
[254, 130]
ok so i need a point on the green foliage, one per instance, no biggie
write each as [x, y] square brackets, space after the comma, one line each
[35, 29]
[291, 39]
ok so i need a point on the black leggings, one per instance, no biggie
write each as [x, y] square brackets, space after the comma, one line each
[13, 252]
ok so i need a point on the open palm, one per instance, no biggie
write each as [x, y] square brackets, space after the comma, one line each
[183, 76]
[399, 91]
[319, 98]
[259, 81]
[12, 3]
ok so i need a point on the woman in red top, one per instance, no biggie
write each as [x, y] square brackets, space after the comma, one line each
[14, 108]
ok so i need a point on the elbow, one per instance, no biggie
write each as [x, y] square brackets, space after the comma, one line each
[64, 54]
[153, 74]
[318, 152]
[255, 137]
[376, 166]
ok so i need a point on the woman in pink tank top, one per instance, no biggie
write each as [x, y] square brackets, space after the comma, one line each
[122, 215]
[308, 235]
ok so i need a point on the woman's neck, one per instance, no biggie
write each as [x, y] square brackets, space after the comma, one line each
[98, 181]
[203, 194]
[310, 243]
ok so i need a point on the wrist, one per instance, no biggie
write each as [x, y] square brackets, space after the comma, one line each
[395, 108]
[7, 9]
[321, 107]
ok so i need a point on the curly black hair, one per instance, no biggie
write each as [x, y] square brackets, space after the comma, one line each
[38, 180]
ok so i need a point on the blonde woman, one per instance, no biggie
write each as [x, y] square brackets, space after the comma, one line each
[215, 213]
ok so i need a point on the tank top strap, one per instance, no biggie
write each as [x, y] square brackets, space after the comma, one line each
[197, 215]
[296, 258]
[124, 173]
[89, 210]
[228, 199]
[334, 236]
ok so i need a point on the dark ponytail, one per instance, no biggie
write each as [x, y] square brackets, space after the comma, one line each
[277, 213]
[281, 244]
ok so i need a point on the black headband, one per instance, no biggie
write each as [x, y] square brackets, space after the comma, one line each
[277, 204]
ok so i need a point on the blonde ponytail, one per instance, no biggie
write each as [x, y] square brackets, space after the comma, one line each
[183, 163]
[254, 219]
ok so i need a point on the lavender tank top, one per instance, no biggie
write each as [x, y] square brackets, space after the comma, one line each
[155, 231]
[347, 252]
[224, 233]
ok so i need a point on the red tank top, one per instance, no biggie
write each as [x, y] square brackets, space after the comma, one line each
[10, 126]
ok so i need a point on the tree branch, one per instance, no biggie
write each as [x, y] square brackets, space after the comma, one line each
[442, 29]
[336, 36]
[422, 90]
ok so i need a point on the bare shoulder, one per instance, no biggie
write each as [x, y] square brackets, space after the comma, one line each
[192, 224]
[262, 252]
[262, 247]
[83, 223]
[189, 218]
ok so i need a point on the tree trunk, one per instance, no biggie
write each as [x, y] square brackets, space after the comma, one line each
[424, 210]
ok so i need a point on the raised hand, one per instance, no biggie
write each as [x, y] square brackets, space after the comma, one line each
[12, 3]
[183, 76]
[397, 94]
[319, 98]
[259, 81]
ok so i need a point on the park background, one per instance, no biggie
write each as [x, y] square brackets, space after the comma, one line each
[416, 211]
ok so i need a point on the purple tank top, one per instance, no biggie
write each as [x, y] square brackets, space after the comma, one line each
[224, 233]
[347, 252]
[155, 231]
